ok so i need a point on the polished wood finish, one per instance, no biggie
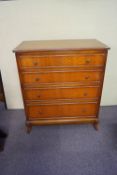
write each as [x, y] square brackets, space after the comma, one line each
[61, 110]
[61, 93]
[61, 80]
[58, 77]
[54, 45]
[35, 61]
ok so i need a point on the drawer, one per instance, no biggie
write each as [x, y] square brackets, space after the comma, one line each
[32, 61]
[61, 93]
[50, 77]
[61, 110]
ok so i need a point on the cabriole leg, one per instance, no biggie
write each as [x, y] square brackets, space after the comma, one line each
[28, 128]
[96, 126]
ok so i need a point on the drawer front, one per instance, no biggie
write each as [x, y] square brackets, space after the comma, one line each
[50, 77]
[61, 93]
[61, 60]
[61, 110]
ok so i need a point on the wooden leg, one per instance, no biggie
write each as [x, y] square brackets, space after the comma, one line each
[29, 128]
[96, 126]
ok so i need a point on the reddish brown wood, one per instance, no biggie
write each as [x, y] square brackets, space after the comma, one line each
[81, 44]
[61, 81]
[61, 110]
[62, 121]
[61, 93]
[37, 61]
[58, 77]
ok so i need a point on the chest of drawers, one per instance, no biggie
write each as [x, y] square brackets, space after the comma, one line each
[61, 80]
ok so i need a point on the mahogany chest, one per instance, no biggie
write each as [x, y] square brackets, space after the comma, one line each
[61, 80]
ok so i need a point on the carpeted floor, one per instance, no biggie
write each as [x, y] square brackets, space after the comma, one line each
[2, 105]
[61, 149]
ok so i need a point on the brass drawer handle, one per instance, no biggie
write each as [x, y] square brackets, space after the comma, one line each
[85, 94]
[35, 63]
[37, 79]
[87, 77]
[40, 113]
[88, 61]
[38, 96]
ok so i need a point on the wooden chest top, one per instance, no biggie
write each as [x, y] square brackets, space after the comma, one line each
[49, 45]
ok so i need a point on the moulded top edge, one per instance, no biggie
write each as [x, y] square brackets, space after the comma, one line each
[53, 45]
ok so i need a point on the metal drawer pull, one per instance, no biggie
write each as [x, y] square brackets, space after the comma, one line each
[37, 79]
[85, 94]
[38, 96]
[88, 61]
[35, 63]
[87, 77]
[40, 113]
